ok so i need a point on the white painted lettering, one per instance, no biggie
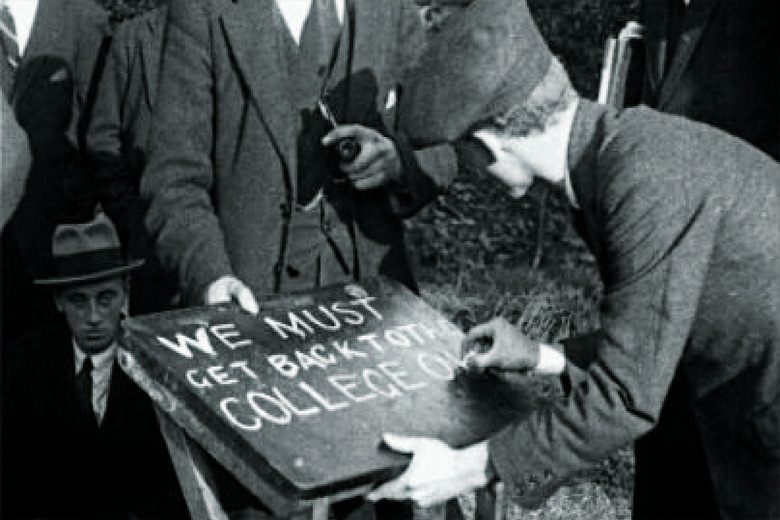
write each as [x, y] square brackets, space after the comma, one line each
[283, 365]
[393, 370]
[346, 383]
[305, 361]
[318, 351]
[397, 338]
[253, 426]
[296, 326]
[242, 365]
[220, 376]
[411, 329]
[254, 399]
[294, 409]
[321, 400]
[201, 383]
[348, 353]
[348, 315]
[365, 303]
[183, 343]
[371, 340]
[369, 376]
[225, 332]
[334, 324]
[435, 366]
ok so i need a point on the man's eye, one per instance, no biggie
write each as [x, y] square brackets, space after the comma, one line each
[106, 299]
[77, 301]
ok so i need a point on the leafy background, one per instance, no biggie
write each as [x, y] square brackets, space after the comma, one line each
[479, 253]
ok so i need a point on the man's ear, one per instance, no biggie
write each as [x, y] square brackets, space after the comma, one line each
[58, 301]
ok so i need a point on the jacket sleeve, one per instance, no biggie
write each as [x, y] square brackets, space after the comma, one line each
[115, 182]
[15, 163]
[427, 172]
[179, 176]
[657, 249]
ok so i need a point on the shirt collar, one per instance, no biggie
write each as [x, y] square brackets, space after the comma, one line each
[294, 13]
[100, 362]
[24, 12]
[586, 137]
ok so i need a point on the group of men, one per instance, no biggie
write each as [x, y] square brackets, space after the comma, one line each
[198, 129]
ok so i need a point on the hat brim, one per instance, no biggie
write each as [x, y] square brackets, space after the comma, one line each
[90, 277]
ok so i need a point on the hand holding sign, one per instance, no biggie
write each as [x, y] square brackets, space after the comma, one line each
[228, 289]
[437, 472]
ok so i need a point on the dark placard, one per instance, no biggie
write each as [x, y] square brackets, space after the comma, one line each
[294, 401]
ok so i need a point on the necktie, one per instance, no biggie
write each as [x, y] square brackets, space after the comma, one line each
[320, 34]
[9, 45]
[84, 387]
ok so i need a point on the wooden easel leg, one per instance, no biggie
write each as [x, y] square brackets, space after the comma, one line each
[192, 471]
[491, 503]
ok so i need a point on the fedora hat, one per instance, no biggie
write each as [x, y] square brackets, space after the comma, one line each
[87, 252]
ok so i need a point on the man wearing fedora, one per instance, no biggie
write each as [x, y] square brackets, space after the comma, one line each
[80, 440]
[684, 222]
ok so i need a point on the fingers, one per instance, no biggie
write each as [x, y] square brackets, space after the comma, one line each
[378, 162]
[344, 131]
[246, 299]
[230, 288]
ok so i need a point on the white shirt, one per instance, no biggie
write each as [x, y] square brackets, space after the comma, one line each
[23, 12]
[103, 364]
[295, 12]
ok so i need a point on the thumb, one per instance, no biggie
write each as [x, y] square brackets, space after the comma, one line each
[401, 443]
[245, 298]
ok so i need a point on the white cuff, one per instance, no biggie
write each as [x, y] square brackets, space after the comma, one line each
[551, 361]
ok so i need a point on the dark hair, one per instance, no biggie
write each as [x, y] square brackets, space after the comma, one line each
[552, 95]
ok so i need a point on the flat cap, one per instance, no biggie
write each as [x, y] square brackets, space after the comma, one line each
[486, 59]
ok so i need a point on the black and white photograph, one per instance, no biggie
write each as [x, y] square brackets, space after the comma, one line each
[390, 259]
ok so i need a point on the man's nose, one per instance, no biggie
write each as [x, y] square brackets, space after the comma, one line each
[95, 315]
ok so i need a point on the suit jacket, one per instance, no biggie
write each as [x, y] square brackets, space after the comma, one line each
[222, 175]
[683, 221]
[117, 141]
[725, 69]
[55, 465]
[15, 165]
[50, 97]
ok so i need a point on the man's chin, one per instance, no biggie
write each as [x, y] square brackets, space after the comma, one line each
[94, 344]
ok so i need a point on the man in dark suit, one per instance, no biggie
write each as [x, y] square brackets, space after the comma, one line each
[50, 51]
[80, 439]
[718, 62]
[117, 141]
[683, 221]
[246, 195]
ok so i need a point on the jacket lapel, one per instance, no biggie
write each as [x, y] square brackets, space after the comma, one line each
[252, 37]
[151, 51]
[374, 23]
[655, 38]
[696, 21]
[50, 31]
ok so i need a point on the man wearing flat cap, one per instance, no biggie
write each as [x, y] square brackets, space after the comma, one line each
[80, 440]
[683, 220]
